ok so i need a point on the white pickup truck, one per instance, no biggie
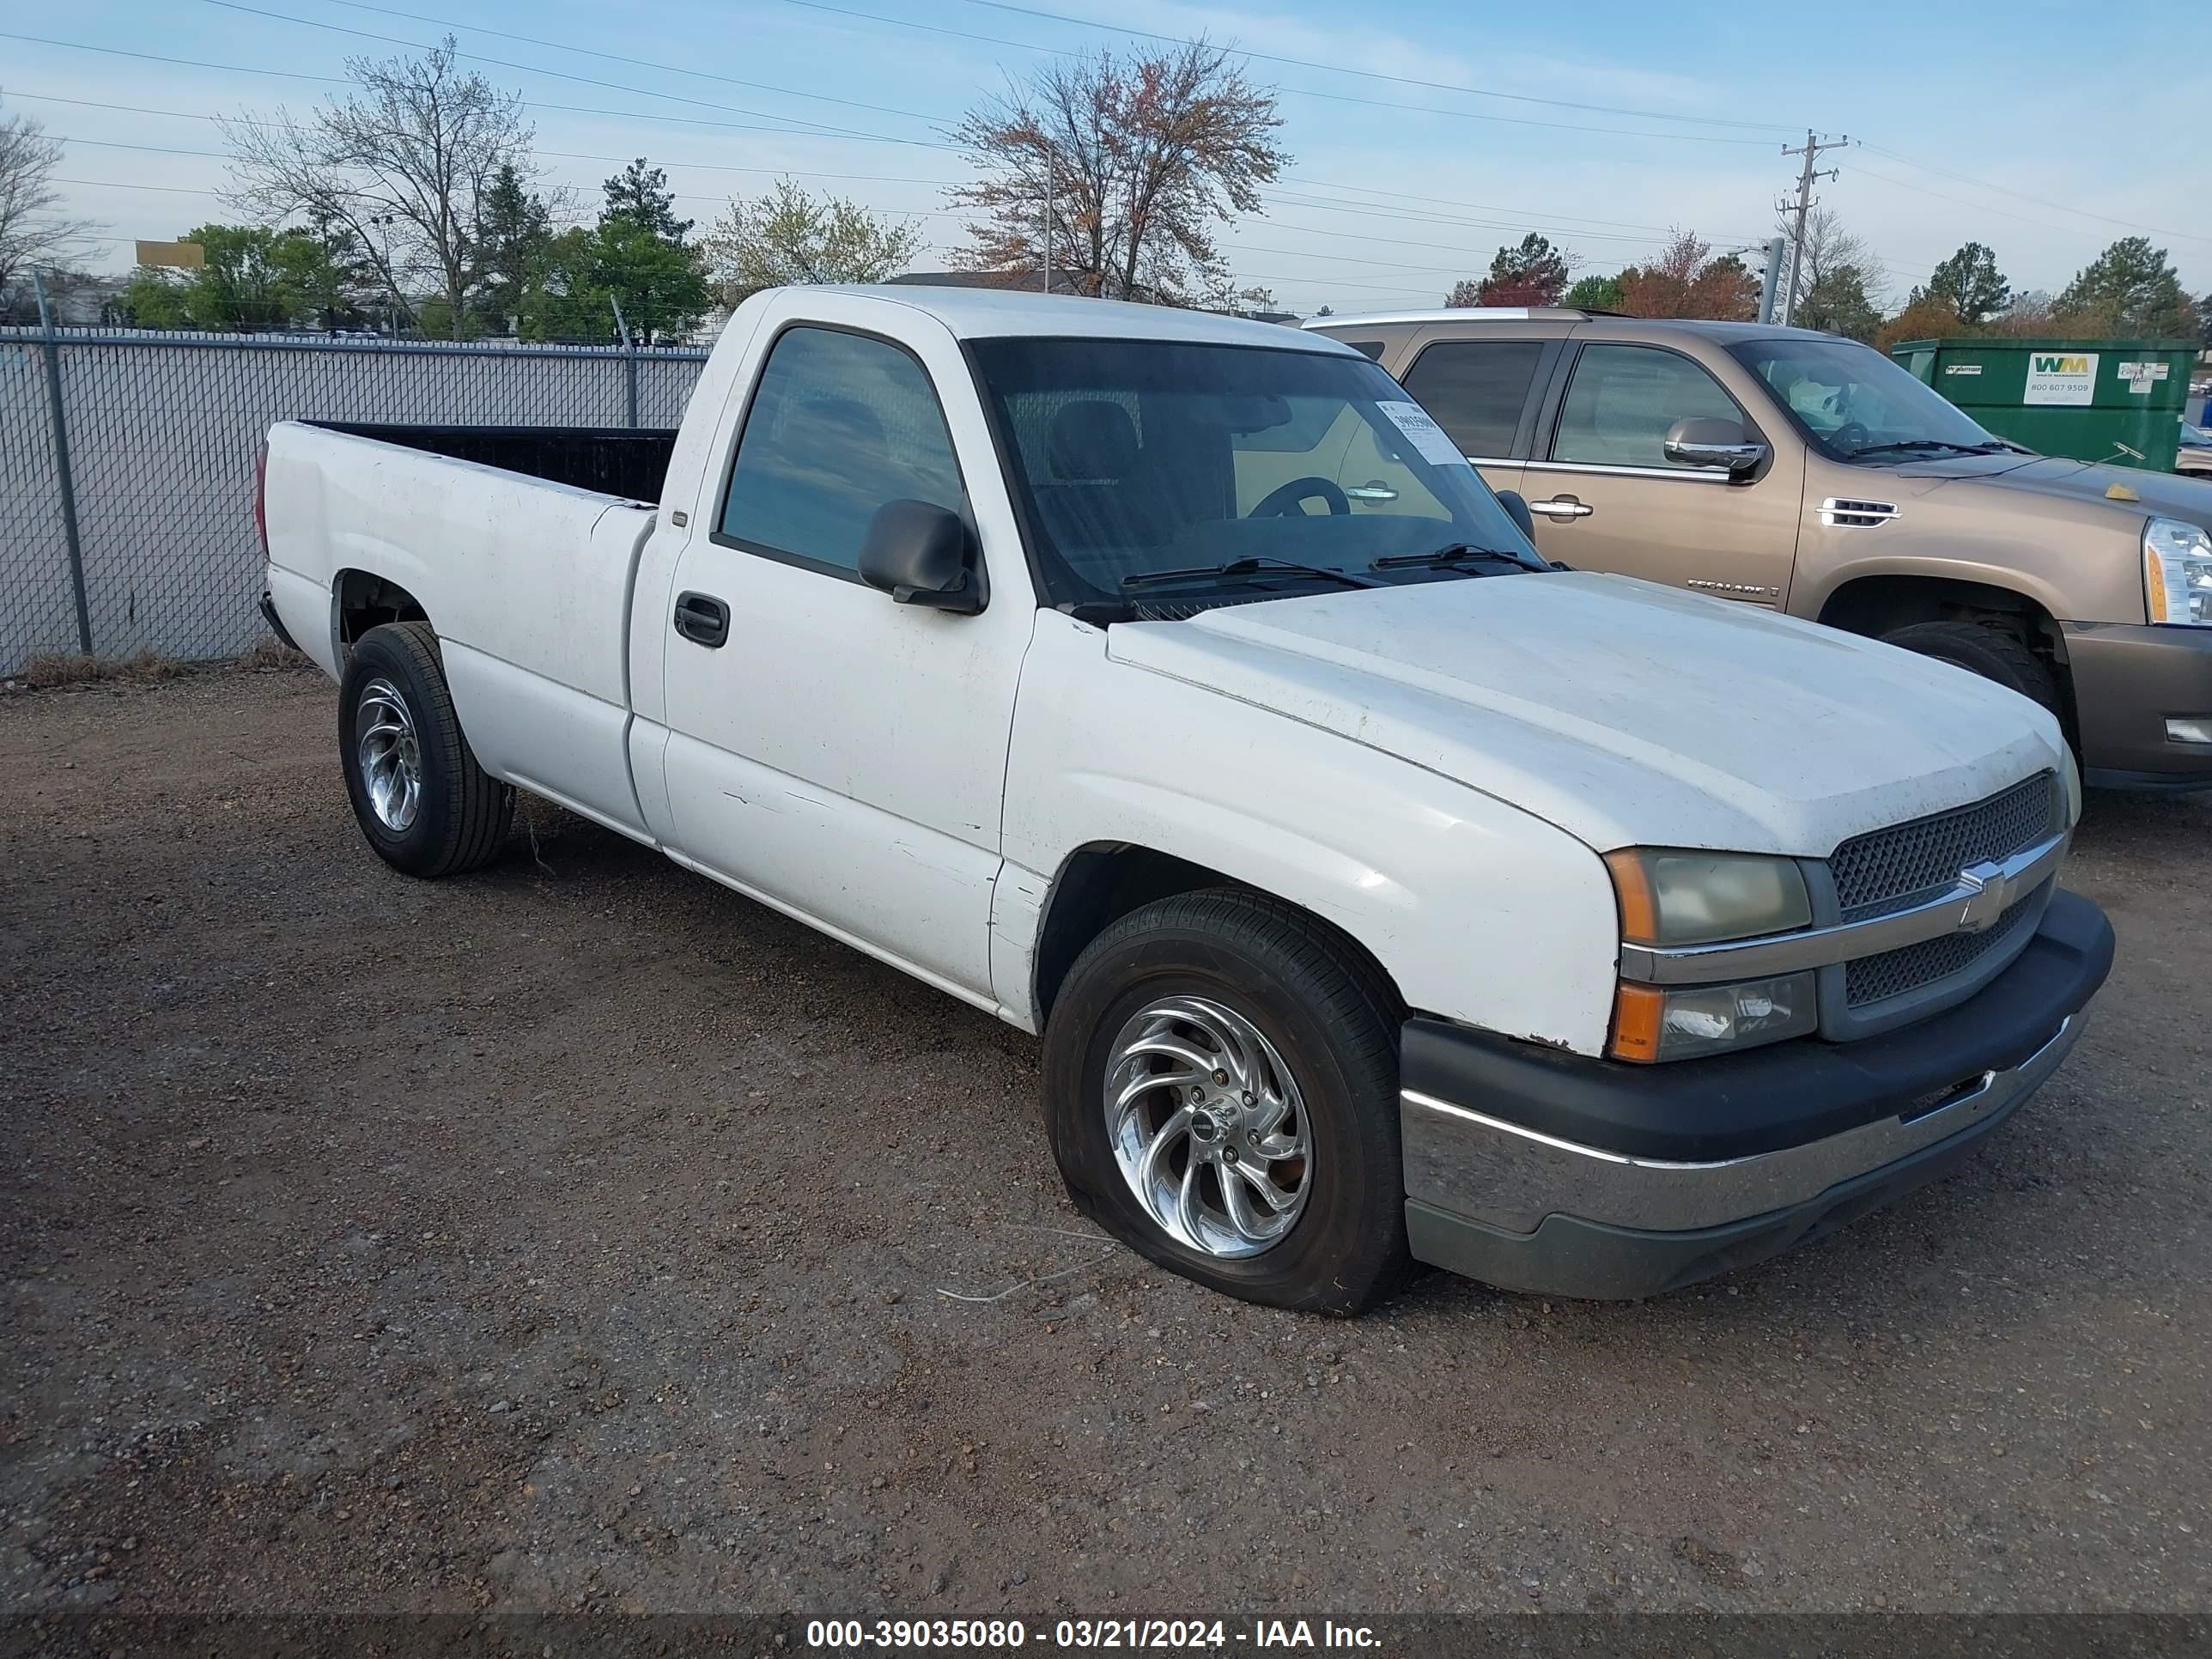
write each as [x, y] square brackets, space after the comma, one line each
[1171, 687]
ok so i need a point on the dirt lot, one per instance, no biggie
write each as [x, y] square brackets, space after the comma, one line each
[580, 1235]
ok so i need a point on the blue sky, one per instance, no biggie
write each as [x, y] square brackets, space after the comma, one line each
[2044, 130]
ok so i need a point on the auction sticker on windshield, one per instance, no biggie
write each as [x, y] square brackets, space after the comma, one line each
[1431, 440]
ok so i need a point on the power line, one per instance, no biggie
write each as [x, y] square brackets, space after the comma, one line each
[1369, 74]
[2038, 200]
[811, 131]
[616, 57]
[1309, 92]
[557, 75]
[555, 154]
[1861, 169]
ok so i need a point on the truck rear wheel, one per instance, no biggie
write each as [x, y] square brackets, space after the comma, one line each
[1992, 653]
[422, 801]
[1221, 1089]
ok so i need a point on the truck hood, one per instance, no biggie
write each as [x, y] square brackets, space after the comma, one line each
[2164, 493]
[1624, 711]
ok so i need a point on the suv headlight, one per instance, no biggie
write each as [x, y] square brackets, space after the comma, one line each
[1671, 898]
[2177, 572]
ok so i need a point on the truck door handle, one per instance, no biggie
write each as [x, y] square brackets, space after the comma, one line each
[1562, 507]
[1378, 492]
[703, 619]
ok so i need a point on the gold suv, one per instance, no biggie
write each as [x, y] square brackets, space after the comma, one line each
[1808, 474]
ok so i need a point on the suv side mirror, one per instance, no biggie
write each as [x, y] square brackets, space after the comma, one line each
[1708, 440]
[1517, 508]
[921, 554]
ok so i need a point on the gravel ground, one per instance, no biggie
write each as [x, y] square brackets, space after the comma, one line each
[580, 1235]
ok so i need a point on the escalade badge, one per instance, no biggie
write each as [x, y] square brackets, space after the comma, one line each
[1988, 892]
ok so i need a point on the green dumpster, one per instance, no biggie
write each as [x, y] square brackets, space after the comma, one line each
[2118, 401]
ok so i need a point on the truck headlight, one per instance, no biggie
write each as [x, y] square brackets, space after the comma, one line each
[1675, 897]
[1650, 1023]
[1670, 897]
[2178, 573]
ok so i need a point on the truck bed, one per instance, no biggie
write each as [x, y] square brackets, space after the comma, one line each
[628, 462]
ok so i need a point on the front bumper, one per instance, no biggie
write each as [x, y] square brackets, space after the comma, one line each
[1537, 1170]
[2129, 680]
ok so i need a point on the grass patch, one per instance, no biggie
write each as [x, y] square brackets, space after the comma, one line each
[56, 670]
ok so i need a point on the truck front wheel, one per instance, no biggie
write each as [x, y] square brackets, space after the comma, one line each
[1221, 1087]
[423, 803]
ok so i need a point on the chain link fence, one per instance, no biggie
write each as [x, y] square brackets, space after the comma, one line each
[127, 461]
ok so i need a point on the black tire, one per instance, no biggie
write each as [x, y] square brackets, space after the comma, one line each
[1334, 1024]
[462, 814]
[1992, 653]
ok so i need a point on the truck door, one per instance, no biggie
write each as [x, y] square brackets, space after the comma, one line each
[834, 752]
[1606, 497]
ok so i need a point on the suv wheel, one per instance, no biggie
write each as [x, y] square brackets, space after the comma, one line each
[1992, 653]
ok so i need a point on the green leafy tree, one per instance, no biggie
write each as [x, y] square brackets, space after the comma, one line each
[1838, 303]
[788, 236]
[641, 193]
[2129, 288]
[1594, 294]
[1533, 274]
[1971, 283]
[583, 272]
[516, 229]
[254, 278]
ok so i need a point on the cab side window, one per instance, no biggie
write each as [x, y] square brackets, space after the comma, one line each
[1476, 389]
[1623, 399]
[839, 424]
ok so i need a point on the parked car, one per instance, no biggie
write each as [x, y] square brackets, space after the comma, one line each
[1380, 893]
[1792, 470]
[2195, 454]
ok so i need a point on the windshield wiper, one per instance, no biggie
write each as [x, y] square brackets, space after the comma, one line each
[1454, 553]
[1993, 448]
[1250, 565]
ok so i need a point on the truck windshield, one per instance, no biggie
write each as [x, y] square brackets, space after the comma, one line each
[1854, 403]
[1169, 467]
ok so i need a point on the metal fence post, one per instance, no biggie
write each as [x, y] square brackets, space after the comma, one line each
[630, 356]
[53, 354]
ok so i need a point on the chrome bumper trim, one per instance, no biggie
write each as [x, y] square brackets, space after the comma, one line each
[1975, 901]
[1511, 1177]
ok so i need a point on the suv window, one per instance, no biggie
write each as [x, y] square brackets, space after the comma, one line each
[839, 424]
[1476, 389]
[1623, 399]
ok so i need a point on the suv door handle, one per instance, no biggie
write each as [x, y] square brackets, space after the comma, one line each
[1562, 507]
[1378, 492]
[703, 619]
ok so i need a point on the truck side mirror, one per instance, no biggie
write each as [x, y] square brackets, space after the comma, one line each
[1708, 440]
[1517, 508]
[921, 554]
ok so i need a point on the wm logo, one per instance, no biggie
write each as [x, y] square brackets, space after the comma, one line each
[2044, 364]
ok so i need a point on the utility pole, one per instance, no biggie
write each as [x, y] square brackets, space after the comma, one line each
[1814, 145]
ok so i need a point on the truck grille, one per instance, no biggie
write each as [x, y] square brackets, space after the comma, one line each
[1894, 973]
[1892, 869]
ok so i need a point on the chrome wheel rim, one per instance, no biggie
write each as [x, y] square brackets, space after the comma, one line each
[390, 758]
[1208, 1126]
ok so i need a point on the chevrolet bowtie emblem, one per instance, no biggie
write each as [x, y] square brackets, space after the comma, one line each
[1989, 891]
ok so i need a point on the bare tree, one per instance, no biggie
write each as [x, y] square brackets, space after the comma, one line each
[32, 232]
[790, 236]
[1830, 246]
[400, 172]
[1141, 160]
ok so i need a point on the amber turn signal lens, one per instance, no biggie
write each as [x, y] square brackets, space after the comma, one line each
[1631, 884]
[1637, 1010]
